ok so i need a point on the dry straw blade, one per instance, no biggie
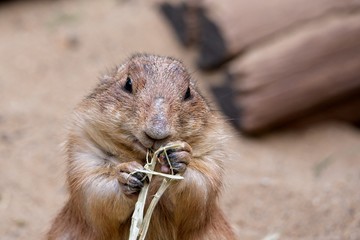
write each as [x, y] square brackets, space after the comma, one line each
[139, 223]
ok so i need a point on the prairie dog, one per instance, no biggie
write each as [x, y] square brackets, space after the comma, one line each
[147, 102]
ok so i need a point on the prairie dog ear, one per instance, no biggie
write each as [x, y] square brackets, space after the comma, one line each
[105, 78]
[112, 74]
[193, 82]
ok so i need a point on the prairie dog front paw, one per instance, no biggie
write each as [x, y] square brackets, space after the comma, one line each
[175, 160]
[130, 180]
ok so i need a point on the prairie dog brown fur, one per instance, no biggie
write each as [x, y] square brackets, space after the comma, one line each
[147, 102]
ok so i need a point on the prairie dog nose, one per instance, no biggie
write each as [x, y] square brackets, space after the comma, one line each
[158, 130]
[157, 127]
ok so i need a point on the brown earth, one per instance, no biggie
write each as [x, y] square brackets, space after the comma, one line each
[291, 184]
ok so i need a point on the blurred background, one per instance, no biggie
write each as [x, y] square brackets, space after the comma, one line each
[285, 74]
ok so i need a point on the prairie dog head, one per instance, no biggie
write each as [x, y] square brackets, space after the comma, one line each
[147, 102]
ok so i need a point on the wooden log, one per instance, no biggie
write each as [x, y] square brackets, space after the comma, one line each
[290, 76]
[227, 28]
[346, 109]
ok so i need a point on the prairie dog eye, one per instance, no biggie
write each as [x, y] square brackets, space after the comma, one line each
[128, 85]
[187, 94]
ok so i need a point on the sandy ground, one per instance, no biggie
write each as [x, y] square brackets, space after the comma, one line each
[293, 184]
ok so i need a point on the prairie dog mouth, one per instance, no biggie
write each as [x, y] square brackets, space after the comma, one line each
[139, 146]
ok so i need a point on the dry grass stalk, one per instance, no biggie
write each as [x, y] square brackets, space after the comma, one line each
[139, 223]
